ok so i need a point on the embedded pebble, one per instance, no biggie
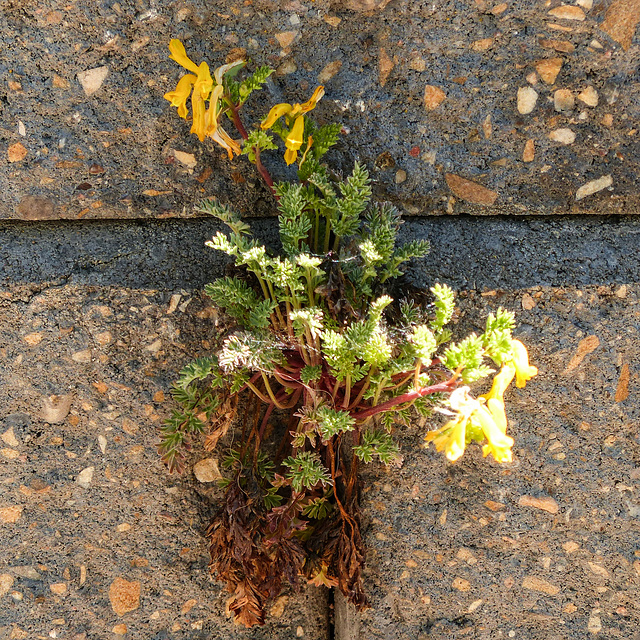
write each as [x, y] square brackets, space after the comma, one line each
[33, 339]
[187, 159]
[548, 69]
[544, 503]
[85, 477]
[528, 302]
[527, 98]
[82, 357]
[529, 151]
[124, 596]
[329, 71]
[568, 12]
[287, 67]
[563, 100]
[621, 20]
[470, 191]
[565, 136]
[589, 96]
[104, 338]
[594, 186]
[9, 438]
[59, 588]
[120, 629]
[285, 38]
[207, 470]
[102, 443]
[433, 97]
[385, 66]
[279, 606]
[401, 176]
[594, 625]
[10, 515]
[6, 582]
[482, 45]
[461, 584]
[418, 63]
[16, 152]
[92, 79]
[538, 584]
[56, 408]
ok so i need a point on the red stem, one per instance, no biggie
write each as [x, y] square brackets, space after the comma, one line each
[262, 170]
[405, 397]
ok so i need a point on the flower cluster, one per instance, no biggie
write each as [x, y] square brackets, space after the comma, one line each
[294, 117]
[484, 417]
[202, 87]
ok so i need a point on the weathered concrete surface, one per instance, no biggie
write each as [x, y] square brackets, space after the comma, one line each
[546, 547]
[428, 91]
[468, 253]
[97, 540]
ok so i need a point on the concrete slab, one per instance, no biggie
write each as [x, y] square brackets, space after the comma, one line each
[97, 539]
[546, 547]
[479, 107]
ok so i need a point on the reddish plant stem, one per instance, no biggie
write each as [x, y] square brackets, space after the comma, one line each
[410, 396]
[262, 170]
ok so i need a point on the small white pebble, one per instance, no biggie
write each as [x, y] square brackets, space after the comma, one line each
[527, 98]
[565, 136]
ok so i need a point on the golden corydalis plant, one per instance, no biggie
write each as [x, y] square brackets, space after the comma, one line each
[316, 338]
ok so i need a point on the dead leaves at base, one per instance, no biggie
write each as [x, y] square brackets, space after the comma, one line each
[255, 552]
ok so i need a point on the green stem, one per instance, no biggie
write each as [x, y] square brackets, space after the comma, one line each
[270, 391]
[347, 392]
[327, 235]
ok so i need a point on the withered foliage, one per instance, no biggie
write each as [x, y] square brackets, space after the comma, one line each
[256, 550]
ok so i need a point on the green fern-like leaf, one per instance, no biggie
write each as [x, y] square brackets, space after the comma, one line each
[253, 83]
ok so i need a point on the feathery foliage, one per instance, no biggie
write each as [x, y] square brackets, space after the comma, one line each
[316, 334]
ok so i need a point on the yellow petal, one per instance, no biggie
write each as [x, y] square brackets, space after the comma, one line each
[456, 444]
[313, 100]
[290, 156]
[197, 106]
[179, 54]
[498, 444]
[450, 438]
[213, 112]
[296, 135]
[276, 112]
[220, 72]
[226, 142]
[204, 83]
[524, 371]
[178, 98]
[501, 381]
[496, 409]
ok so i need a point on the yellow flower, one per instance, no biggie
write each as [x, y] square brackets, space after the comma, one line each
[295, 121]
[201, 90]
[501, 382]
[294, 140]
[178, 98]
[498, 443]
[179, 55]
[451, 438]
[524, 371]
[206, 121]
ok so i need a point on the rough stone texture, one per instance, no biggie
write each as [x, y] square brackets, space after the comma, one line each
[545, 547]
[78, 560]
[119, 152]
[466, 550]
